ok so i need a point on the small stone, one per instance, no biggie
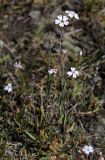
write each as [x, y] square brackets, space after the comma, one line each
[35, 15]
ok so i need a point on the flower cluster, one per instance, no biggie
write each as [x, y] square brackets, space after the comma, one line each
[64, 20]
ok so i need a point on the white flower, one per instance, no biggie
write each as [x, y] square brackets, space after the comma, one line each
[8, 88]
[73, 72]
[18, 65]
[62, 21]
[88, 149]
[52, 71]
[72, 14]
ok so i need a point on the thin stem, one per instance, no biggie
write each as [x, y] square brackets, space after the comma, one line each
[61, 69]
[60, 49]
[48, 80]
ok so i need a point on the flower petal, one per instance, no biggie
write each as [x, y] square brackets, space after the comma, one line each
[76, 72]
[72, 69]
[66, 23]
[6, 88]
[57, 21]
[86, 151]
[9, 89]
[91, 149]
[74, 75]
[76, 16]
[61, 24]
[67, 12]
[69, 73]
[65, 18]
[60, 17]
[9, 85]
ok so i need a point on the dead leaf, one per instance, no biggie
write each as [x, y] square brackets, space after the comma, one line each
[53, 158]
[54, 146]
[63, 157]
